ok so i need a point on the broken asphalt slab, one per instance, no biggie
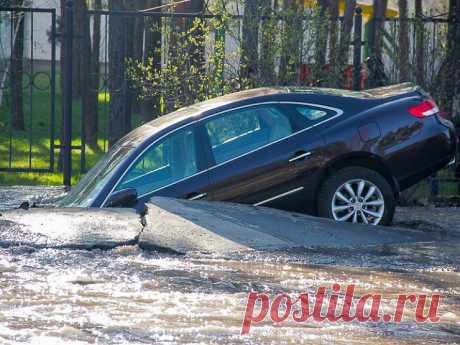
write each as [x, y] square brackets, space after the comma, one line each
[184, 226]
[215, 227]
[69, 228]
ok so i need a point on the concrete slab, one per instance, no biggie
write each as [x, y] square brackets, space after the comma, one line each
[69, 228]
[186, 226]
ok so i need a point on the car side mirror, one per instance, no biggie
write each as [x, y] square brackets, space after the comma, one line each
[123, 198]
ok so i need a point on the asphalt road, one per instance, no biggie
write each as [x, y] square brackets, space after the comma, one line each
[64, 285]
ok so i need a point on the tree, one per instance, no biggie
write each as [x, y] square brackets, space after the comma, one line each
[378, 22]
[403, 42]
[117, 82]
[79, 9]
[375, 65]
[91, 73]
[177, 80]
[452, 81]
[333, 39]
[291, 42]
[61, 83]
[150, 105]
[250, 42]
[16, 69]
[134, 50]
[321, 38]
[345, 41]
[193, 6]
[268, 44]
[136, 27]
[195, 29]
[419, 44]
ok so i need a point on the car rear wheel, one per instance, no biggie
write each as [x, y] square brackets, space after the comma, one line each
[357, 195]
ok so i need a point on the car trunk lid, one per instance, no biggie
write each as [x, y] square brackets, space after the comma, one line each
[379, 95]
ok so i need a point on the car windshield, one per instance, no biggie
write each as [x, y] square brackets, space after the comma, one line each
[84, 193]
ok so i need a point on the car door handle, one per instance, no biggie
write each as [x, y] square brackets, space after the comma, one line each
[195, 196]
[300, 156]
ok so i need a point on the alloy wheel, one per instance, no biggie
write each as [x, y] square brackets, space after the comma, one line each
[358, 201]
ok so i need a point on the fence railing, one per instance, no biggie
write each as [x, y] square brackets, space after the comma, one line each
[86, 63]
[27, 92]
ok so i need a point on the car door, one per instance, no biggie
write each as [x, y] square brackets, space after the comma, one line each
[170, 167]
[260, 153]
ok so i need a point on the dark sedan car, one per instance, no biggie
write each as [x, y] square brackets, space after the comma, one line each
[333, 153]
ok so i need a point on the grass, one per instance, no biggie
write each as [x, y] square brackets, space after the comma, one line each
[444, 188]
[37, 117]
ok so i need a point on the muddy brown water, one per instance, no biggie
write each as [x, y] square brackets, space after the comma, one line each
[130, 296]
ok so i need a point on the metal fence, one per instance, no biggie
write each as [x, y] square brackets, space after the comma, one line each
[423, 66]
[20, 100]
[75, 85]
[106, 84]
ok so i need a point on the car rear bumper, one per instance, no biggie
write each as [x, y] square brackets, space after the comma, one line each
[453, 138]
[435, 148]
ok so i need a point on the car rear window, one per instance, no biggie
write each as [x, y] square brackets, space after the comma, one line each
[311, 113]
[307, 115]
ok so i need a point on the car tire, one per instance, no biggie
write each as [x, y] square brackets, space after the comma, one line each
[344, 194]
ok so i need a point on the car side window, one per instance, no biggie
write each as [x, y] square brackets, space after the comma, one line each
[171, 159]
[311, 114]
[238, 132]
[308, 115]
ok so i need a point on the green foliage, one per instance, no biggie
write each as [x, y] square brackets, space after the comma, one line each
[39, 124]
[195, 65]
[433, 50]
[192, 69]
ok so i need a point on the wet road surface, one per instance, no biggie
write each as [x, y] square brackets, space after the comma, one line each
[129, 296]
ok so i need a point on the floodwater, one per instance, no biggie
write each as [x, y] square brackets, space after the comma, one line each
[130, 296]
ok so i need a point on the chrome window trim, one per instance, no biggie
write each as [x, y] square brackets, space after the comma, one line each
[339, 112]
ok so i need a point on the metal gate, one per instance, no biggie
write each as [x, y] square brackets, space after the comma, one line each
[27, 89]
[39, 77]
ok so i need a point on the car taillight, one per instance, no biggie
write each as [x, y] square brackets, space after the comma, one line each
[426, 108]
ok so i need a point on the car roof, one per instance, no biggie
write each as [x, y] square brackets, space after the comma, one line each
[196, 110]
[380, 93]
[139, 134]
[377, 94]
[199, 108]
